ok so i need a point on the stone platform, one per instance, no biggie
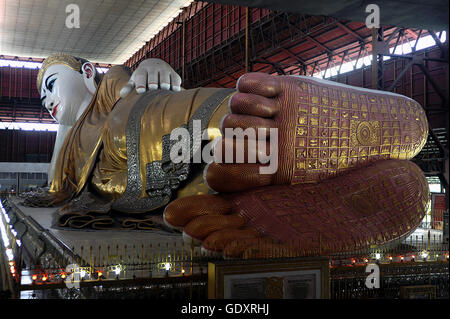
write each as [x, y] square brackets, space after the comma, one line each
[97, 247]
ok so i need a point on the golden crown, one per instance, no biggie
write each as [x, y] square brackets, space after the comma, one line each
[58, 58]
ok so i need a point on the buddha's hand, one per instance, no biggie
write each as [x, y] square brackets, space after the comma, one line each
[152, 74]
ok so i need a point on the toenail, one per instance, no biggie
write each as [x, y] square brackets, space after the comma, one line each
[205, 170]
[170, 225]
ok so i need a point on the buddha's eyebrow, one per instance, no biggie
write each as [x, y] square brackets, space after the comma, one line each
[46, 85]
[48, 77]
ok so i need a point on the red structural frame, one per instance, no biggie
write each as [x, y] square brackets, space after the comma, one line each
[213, 45]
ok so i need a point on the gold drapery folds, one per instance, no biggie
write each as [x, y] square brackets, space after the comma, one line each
[95, 149]
[78, 154]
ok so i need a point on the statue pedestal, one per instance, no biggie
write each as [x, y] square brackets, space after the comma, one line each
[115, 253]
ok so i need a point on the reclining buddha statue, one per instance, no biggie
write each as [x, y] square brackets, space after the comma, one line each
[343, 179]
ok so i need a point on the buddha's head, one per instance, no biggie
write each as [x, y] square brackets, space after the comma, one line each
[66, 84]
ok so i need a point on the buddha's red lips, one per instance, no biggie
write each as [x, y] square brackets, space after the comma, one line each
[55, 109]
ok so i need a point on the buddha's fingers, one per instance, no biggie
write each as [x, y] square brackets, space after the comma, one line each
[140, 79]
[127, 88]
[200, 227]
[153, 80]
[164, 80]
[216, 241]
[252, 104]
[235, 177]
[181, 211]
[260, 84]
[175, 81]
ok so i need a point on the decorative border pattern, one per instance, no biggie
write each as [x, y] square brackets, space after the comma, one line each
[162, 176]
[129, 201]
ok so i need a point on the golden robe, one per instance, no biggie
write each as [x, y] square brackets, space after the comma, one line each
[96, 153]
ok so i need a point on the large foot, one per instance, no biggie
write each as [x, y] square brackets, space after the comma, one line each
[324, 129]
[369, 205]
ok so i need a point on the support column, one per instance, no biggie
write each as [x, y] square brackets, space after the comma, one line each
[247, 26]
[374, 59]
[183, 45]
[380, 68]
[377, 58]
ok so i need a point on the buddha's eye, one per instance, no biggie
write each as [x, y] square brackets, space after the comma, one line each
[50, 85]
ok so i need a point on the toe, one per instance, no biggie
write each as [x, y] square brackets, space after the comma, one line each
[235, 177]
[236, 248]
[260, 126]
[217, 241]
[181, 211]
[252, 104]
[200, 227]
[237, 150]
[259, 83]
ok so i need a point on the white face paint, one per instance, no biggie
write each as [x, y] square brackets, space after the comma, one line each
[65, 93]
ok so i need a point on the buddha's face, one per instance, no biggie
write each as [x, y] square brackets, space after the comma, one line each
[65, 92]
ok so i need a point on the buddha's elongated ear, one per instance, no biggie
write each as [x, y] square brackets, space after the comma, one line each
[88, 70]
